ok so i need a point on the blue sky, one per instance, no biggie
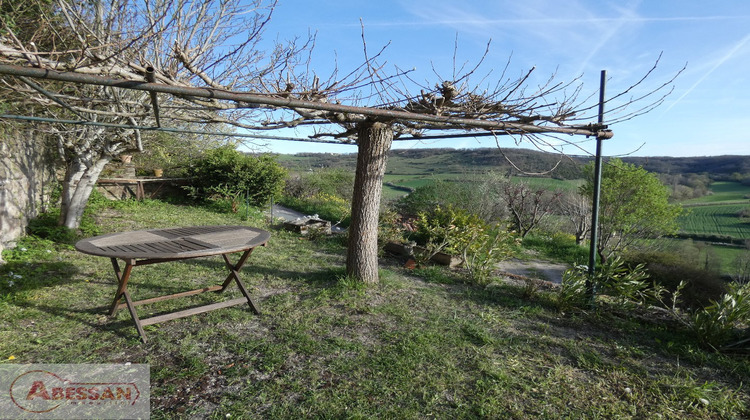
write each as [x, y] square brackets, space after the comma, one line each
[707, 114]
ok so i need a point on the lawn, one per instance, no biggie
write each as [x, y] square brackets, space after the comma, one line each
[420, 344]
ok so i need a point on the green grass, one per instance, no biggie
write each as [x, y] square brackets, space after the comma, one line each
[326, 347]
[720, 256]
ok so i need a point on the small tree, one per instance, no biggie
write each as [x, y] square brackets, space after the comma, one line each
[634, 205]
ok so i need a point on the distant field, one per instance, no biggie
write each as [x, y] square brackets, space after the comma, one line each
[718, 219]
[717, 213]
[723, 191]
[726, 255]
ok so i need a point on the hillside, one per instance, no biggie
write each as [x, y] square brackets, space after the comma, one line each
[463, 161]
[446, 161]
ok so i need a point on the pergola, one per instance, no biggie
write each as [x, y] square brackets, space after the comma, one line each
[372, 142]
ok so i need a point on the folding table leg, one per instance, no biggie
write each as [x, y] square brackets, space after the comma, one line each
[122, 292]
[122, 281]
[234, 273]
[134, 315]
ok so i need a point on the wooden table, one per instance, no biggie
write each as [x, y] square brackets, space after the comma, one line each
[155, 246]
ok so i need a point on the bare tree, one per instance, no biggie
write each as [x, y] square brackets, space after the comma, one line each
[527, 206]
[576, 208]
[176, 42]
[180, 44]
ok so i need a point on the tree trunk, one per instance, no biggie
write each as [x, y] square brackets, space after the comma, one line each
[79, 182]
[374, 142]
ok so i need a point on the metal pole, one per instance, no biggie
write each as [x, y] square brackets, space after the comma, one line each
[590, 286]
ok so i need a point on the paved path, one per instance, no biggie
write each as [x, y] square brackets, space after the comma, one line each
[281, 212]
[538, 269]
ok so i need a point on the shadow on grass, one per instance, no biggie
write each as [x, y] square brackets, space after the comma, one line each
[19, 277]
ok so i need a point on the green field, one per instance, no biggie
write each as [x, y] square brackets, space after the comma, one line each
[718, 219]
[716, 214]
[723, 192]
[551, 183]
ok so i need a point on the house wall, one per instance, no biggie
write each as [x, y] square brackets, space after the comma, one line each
[26, 180]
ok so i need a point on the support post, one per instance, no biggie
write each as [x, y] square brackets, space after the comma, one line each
[590, 286]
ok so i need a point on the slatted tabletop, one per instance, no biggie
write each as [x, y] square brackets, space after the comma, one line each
[183, 242]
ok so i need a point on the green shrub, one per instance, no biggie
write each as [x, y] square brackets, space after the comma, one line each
[447, 229]
[458, 232]
[326, 206]
[614, 278]
[718, 325]
[174, 153]
[46, 225]
[485, 250]
[558, 246]
[437, 193]
[226, 174]
[389, 227]
[336, 182]
[573, 289]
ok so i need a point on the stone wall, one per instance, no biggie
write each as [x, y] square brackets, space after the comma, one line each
[26, 181]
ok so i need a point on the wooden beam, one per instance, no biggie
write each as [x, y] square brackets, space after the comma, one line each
[192, 311]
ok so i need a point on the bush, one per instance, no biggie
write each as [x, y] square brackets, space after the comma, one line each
[459, 232]
[46, 225]
[336, 182]
[614, 278]
[437, 193]
[226, 174]
[389, 228]
[326, 206]
[487, 248]
[447, 229]
[558, 246]
[718, 325]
